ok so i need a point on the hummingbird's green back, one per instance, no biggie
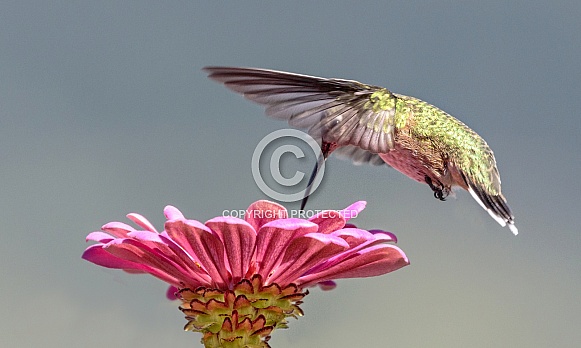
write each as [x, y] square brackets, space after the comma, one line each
[464, 147]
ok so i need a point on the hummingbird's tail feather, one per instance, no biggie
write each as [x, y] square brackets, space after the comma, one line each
[495, 205]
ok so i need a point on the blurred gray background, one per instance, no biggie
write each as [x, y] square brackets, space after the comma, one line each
[104, 111]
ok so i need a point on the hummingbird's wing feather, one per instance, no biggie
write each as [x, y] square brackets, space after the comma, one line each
[359, 156]
[343, 112]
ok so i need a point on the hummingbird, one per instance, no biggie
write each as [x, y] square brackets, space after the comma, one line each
[371, 124]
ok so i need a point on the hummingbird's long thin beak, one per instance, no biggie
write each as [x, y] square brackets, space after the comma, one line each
[326, 149]
[311, 179]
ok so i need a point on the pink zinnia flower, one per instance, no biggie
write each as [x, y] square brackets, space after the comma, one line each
[238, 279]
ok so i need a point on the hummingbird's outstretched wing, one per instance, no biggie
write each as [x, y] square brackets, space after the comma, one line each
[343, 112]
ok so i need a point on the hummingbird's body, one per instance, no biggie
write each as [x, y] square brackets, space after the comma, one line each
[371, 124]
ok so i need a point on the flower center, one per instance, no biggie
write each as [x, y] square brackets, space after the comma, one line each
[243, 316]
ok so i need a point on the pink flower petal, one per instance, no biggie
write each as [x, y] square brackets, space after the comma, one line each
[356, 236]
[97, 255]
[117, 229]
[353, 210]
[100, 237]
[179, 236]
[273, 238]
[327, 285]
[173, 213]
[328, 221]
[161, 244]
[391, 236]
[171, 293]
[377, 260]
[358, 240]
[151, 239]
[262, 212]
[305, 252]
[159, 265]
[141, 222]
[199, 241]
[239, 239]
